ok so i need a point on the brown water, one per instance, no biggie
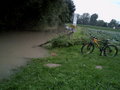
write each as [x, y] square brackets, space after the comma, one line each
[17, 48]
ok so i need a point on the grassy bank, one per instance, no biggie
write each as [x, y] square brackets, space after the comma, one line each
[77, 72]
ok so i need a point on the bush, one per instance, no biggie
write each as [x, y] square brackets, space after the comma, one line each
[64, 41]
[60, 42]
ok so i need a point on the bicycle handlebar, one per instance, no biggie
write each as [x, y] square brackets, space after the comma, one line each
[106, 41]
[92, 36]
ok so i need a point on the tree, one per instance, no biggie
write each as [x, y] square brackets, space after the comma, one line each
[113, 23]
[22, 13]
[67, 11]
[101, 23]
[119, 26]
[84, 19]
[80, 20]
[93, 19]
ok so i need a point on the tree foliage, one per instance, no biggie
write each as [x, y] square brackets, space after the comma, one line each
[21, 13]
[93, 19]
[113, 23]
[87, 19]
[101, 23]
[84, 19]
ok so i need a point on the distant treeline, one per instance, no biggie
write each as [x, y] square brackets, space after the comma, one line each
[87, 19]
[21, 13]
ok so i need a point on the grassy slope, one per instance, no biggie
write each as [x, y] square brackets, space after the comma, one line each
[77, 72]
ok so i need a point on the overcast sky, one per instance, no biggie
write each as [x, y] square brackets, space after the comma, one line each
[106, 9]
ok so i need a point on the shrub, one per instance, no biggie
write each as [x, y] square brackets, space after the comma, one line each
[64, 41]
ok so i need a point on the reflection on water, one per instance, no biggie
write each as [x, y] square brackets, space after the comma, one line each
[16, 47]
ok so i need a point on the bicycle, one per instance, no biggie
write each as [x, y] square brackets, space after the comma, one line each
[105, 49]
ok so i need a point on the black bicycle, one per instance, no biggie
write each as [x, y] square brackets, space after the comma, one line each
[105, 48]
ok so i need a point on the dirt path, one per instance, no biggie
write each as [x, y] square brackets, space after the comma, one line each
[17, 48]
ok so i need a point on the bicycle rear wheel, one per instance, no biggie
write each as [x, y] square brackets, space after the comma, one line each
[87, 48]
[110, 50]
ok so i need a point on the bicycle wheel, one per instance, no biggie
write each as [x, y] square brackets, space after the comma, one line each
[87, 49]
[110, 50]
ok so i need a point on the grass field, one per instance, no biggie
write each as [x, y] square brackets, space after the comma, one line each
[102, 33]
[77, 72]
[101, 28]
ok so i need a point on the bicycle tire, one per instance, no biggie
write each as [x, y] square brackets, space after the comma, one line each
[110, 51]
[87, 48]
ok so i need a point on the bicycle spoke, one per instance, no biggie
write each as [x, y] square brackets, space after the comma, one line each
[111, 51]
[86, 49]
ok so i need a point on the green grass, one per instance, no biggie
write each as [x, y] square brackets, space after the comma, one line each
[77, 72]
[100, 28]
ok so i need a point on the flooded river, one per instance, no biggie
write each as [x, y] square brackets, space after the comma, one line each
[17, 48]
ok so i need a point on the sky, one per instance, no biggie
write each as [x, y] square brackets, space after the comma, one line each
[106, 9]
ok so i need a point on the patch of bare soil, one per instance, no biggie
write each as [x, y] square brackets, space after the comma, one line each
[52, 65]
[99, 67]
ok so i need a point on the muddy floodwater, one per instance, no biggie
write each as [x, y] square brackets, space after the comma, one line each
[16, 48]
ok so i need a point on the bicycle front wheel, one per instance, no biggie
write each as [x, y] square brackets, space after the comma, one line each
[110, 50]
[87, 49]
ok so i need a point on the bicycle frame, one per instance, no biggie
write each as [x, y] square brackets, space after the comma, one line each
[95, 42]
